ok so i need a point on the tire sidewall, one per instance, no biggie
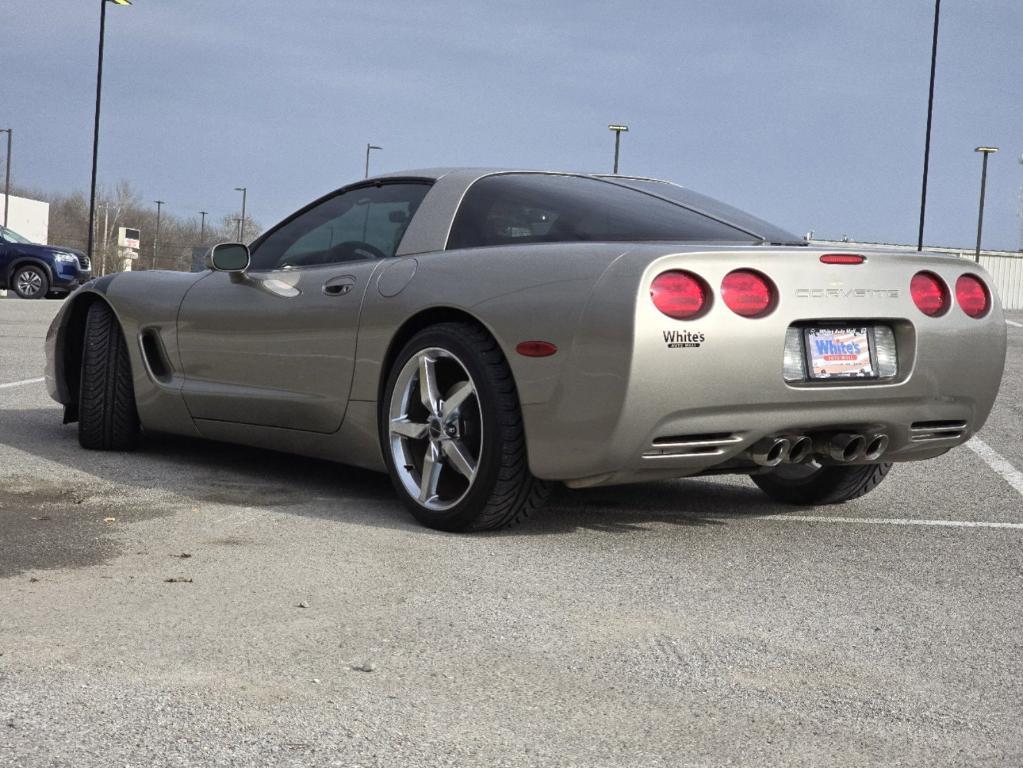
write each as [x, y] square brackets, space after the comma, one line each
[822, 487]
[460, 516]
[44, 286]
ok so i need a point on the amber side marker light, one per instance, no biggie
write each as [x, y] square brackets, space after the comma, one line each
[842, 258]
[535, 348]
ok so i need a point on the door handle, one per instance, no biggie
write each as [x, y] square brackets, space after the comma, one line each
[338, 286]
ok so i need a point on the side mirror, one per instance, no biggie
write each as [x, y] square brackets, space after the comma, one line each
[228, 257]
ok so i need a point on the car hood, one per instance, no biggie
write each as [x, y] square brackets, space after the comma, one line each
[37, 249]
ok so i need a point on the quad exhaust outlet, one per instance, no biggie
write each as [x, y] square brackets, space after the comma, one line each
[771, 451]
[838, 447]
[843, 447]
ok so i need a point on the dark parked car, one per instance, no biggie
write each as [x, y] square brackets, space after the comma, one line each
[33, 270]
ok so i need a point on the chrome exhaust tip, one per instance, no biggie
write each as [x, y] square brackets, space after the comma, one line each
[770, 452]
[800, 448]
[845, 446]
[876, 445]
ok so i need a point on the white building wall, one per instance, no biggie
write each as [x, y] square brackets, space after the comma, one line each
[29, 218]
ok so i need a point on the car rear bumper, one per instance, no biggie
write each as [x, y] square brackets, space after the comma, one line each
[635, 405]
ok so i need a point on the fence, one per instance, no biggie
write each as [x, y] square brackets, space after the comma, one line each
[1006, 271]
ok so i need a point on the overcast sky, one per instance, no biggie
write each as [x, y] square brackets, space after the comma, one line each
[810, 114]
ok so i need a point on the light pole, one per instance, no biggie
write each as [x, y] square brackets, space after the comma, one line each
[241, 222]
[95, 127]
[368, 148]
[985, 151]
[202, 227]
[618, 129]
[156, 239]
[7, 173]
[927, 139]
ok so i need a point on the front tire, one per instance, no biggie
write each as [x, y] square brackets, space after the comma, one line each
[31, 282]
[452, 434]
[809, 484]
[107, 417]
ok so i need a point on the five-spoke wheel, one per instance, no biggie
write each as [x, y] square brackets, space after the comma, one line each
[451, 432]
[436, 431]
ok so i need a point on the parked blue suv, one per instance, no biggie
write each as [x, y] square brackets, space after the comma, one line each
[33, 271]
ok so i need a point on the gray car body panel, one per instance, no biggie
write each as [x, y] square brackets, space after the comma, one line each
[252, 361]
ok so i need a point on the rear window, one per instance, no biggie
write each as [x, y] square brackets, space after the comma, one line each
[714, 208]
[521, 208]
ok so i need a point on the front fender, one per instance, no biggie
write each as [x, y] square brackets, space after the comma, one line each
[63, 344]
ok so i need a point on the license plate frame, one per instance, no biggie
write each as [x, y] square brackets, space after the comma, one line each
[855, 364]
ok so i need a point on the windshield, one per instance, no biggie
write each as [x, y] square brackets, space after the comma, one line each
[13, 237]
[520, 208]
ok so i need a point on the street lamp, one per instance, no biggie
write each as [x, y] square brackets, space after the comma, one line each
[927, 140]
[241, 222]
[156, 239]
[368, 148]
[7, 173]
[95, 128]
[985, 151]
[618, 129]
[202, 227]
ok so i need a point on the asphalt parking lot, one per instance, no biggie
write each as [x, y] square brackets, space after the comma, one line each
[202, 604]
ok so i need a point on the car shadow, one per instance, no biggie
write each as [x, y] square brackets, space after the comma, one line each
[198, 472]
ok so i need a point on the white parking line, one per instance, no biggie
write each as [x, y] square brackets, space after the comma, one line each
[998, 463]
[21, 383]
[1014, 323]
[889, 521]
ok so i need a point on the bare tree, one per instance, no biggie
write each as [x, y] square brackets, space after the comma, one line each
[123, 206]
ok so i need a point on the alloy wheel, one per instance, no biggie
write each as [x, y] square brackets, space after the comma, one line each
[29, 282]
[435, 429]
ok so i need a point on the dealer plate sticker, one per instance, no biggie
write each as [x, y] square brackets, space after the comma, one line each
[839, 353]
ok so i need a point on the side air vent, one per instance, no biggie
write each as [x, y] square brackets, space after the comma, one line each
[922, 431]
[691, 445]
[155, 355]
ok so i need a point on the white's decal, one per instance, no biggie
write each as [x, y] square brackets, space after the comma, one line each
[683, 339]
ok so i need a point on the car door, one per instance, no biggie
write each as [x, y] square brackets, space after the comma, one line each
[275, 346]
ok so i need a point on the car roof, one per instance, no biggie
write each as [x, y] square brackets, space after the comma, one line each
[476, 172]
[430, 230]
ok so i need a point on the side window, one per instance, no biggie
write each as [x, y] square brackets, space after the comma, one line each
[363, 223]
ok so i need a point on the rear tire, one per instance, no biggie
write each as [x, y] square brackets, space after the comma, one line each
[30, 282]
[826, 485]
[107, 417]
[457, 457]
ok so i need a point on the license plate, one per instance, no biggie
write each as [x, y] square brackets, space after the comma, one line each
[840, 353]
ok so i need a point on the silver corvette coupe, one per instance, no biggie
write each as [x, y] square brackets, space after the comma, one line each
[480, 334]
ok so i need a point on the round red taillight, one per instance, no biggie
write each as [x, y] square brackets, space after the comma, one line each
[930, 294]
[678, 294]
[972, 295]
[747, 293]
